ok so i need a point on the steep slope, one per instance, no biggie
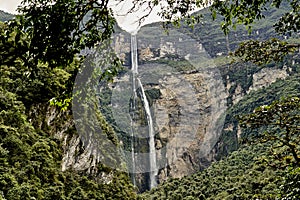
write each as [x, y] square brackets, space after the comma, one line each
[41, 154]
[192, 87]
[242, 175]
[4, 16]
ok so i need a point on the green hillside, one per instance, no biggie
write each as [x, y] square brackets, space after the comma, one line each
[243, 170]
[30, 153]
[240, 176]
[245, 173]
[37, 123]
[4, 16]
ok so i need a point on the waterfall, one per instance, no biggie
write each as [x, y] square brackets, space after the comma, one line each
[132, 149]
[152, 155]
[134, 73]
[134, 56]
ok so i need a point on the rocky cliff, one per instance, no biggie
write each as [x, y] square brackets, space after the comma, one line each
[189, 95]
[190, 110]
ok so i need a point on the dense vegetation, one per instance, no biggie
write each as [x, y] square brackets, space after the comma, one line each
[240, 176]
[37, 75]
[258, 165]
[30, 149]
[266, 171]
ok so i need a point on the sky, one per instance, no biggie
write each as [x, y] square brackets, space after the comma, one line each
[126, 21]
[129, 21]
[9, 5]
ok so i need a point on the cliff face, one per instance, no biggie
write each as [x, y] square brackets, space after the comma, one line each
[189, 111]
[190, 122]
[189, 114]
[75, 155]
[188, 98]
[266, 76]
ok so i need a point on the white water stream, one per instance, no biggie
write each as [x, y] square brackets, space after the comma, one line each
[152, 155]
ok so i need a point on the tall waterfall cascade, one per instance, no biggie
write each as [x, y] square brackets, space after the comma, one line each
[153, 171]
[132, 151]
[134, 73]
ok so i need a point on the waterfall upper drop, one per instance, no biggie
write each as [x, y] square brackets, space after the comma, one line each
[153, 171]
[134, 55]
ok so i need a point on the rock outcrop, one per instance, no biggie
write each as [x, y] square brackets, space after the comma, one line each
[266, 76]
[188, 113]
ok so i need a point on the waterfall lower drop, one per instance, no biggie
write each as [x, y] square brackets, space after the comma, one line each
[132, 107]
[152, 155]
[132, 150]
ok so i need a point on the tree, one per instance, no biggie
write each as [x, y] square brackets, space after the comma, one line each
[238, 12]
[44, 40]
[38, 62]
[58, 30]
[291, 186]
[31, 80]
[63, 28]
[278, 124]
[281, 120]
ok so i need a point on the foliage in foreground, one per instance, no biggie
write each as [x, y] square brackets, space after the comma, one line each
[30, 158]
[31, 161]
[30, 155]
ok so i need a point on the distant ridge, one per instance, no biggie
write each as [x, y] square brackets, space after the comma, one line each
[4, 16]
